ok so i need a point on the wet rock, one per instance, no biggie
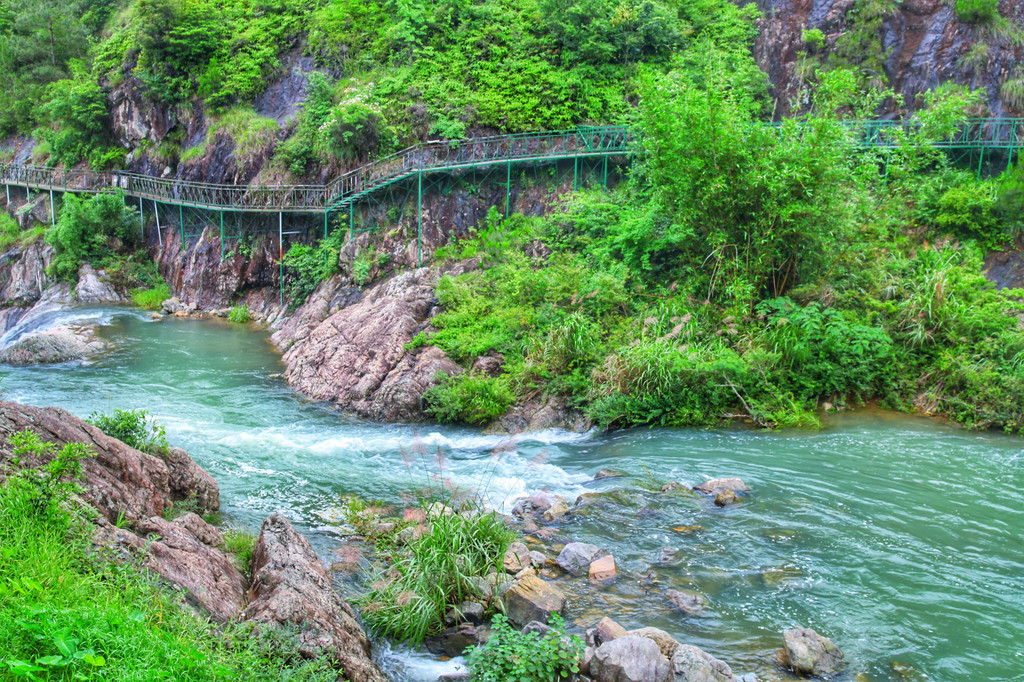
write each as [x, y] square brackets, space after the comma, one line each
[717, 484]
[92, 288]
[454, 677]
[605, 631]
[489, 365]
[453, 641]
[691, 603]
[808, 653]
[172, 306]
[61, 343]
[517, 557]
[467, 612]
[533, 505]
[538, 559]
[748, 677]
[556, 511]
[585, 659]
[686, 530]
[186, 553]
[670, 486]
[690, 664]
[667, 554]
[23, 275]
[532, 599]
[629, 659]
[724, 498]
[291, 590]
[536, 626]
[576, 557]
[666, 643]
[607, 473]
[603, 570]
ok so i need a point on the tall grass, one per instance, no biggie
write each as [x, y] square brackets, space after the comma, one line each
[151, 299]
[431, 574]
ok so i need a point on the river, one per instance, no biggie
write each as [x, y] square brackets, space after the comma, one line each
[899, 537]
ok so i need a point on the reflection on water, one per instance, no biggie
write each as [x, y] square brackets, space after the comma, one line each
[899, 537]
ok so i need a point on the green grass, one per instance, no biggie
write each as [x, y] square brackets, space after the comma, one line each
[240, 314]
[66, 615]
[151, 299]
[240, 544]
[429, 575]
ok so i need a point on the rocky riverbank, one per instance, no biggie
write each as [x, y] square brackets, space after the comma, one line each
[148, 512]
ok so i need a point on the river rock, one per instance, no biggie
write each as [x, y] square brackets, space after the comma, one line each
[691, 603]
[556, 511]
[92, 288]
[629, 659]
[533, 505]
[172, 306]
[187, 553]
[120, 481]
[714, 485]
[453, 641]
[904, 672]
[576, 557]
[291, 590]
[467, 612]
[690, 664]
[605, 631]
[602, 570]
[808, 653]
[60, 343]
[725, 497]
[666, 643]
[23, 275]
[531, 599]
[517, 557]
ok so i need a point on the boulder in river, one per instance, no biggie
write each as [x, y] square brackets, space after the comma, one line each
[690, 664]
[291, 590]
[60, 343]
[576, 557]
[605, 631]
[530, 598]
[808, 653]
[603, 570]
[629, 659]
[666, 643]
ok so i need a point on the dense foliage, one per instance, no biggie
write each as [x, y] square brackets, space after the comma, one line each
[66, 616]
[526, 656]
[134, 428]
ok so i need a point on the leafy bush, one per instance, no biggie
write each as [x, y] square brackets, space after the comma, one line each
[433, 573]
[151, 299]
[306, 266]
[814, 38]
[977, 11]
[90, 229]
[468, 399]
[134, 428]
[240, 314]
[531, 657]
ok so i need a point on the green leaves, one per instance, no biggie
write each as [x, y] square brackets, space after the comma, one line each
[530, 657]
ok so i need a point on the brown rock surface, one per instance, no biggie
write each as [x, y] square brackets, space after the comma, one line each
[291, 589]
[530, 599]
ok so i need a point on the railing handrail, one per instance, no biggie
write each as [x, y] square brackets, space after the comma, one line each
[432, 155]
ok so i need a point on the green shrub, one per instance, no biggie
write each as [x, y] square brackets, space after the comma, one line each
[151, 299]
[814, 38]
[305, 266]
[468, 399]
[134, 428]
[240, 314]
[90, 229]
[531, 657]
[431, 574]
[977, 11]
[241, 545]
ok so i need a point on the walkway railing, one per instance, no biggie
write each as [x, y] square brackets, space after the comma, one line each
[430, 157]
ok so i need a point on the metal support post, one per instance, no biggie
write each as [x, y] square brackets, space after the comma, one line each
[606, 172]
[222, 236]
[575, 173]
[159, 234]
[351, 221]
[53, 214]
[181, 225]
[508, 188]
[142, 222]
[419, 221]
[326, 213]
[280, 253]
[981, 160]
[8, 187]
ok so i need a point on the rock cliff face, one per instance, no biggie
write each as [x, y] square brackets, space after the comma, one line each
[925, 40]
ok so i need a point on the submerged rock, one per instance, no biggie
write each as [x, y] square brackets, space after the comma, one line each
[808, 653]
[629, 659]
[291, 590]
[691, 603]
[716, 484]
[530, 598]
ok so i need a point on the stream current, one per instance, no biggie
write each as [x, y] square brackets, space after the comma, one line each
[901, 538]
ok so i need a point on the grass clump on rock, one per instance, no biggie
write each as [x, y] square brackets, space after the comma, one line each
[434, 571]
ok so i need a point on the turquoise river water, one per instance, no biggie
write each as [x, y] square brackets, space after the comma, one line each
[902, 538]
